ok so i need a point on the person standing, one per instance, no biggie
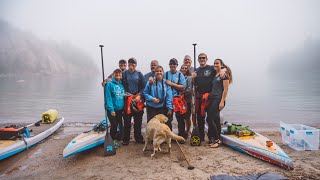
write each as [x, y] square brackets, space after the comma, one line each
[115, 103]
[187, 61]
[158, 96]
[122, 65]
[134, 84]
[202, 79]
[177, 82]
[151, 74]
[188, 96]
[217, 101]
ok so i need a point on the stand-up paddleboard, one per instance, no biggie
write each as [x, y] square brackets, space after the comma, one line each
[258, 146]
[84, 141]
[37, 133]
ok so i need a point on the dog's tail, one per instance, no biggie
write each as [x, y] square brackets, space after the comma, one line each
[173, 136]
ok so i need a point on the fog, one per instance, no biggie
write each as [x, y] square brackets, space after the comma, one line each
[245, 34]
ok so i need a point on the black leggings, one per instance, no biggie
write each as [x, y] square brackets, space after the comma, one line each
[137, 116]
[115, 121]
[213, 119]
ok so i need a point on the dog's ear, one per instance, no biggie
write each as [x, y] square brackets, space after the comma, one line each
[163, 118]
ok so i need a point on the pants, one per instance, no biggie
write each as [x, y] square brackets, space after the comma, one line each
[181, 124]
[115, 121]
[200, 119]
[152, 112]
[137, 126]
[213, 120]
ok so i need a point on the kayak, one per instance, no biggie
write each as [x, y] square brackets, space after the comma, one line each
[256, 146]
[84, 141]
[36, 134]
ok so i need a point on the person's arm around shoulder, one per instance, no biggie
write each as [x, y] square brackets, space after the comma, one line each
[224, 94]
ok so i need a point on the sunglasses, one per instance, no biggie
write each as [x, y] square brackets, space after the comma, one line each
[202, 57]
[173, 64]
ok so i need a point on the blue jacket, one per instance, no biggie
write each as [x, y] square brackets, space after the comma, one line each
[177, 78]
[133, 82]
[114, 96]
[158, 90]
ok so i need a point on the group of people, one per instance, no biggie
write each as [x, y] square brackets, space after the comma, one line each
[128, 91]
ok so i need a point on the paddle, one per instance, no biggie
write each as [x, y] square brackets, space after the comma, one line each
[109, 148]
[195, 135]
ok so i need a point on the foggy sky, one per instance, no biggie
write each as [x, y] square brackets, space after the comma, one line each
[245, 34]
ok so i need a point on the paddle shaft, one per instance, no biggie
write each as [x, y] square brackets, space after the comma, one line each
[189, 166]
[104, 87]
[194, 113]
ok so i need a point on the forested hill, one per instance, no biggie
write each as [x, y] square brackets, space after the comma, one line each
[302, 62]
[21, 53]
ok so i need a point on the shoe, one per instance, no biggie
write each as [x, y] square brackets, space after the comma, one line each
[116, 144]
[140, 141]
[181, 142]
[125, 143]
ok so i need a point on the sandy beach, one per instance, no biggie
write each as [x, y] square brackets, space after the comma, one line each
[45, 161]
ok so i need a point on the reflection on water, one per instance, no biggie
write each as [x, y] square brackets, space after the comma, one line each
[255, 101]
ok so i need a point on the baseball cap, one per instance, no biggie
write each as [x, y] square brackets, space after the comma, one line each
[132, 61]
[122, 61]
[173, 61]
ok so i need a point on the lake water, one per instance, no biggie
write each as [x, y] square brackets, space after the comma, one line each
[260, 101]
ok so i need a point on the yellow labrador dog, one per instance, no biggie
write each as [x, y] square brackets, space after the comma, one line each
[159, 132]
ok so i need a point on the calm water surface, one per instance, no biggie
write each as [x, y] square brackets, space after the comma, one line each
[257, 101]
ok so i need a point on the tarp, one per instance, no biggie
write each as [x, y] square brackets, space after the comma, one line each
[265, 176]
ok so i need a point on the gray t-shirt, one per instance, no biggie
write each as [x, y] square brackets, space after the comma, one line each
[217, 87]
[188, 90]
[147, 76]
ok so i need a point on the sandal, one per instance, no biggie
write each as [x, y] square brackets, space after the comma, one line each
[214, 143]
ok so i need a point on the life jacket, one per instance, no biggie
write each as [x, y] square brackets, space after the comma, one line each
[179, 104]
[12, 132]
[204, 103]
[130, 105]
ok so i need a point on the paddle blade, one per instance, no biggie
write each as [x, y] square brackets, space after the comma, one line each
[195, 137]
[109, 148]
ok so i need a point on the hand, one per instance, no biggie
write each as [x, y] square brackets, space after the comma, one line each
[223, 73]
[169, 113]
[113, 114]
[156, 100]
[151, 80]
[221, 106]
[137, 99]
[194, 75]
[169, 83]
[103, 83]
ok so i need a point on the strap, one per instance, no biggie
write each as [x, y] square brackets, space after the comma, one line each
[162, 89]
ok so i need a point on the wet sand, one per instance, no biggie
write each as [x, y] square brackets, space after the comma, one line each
[45, 161]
